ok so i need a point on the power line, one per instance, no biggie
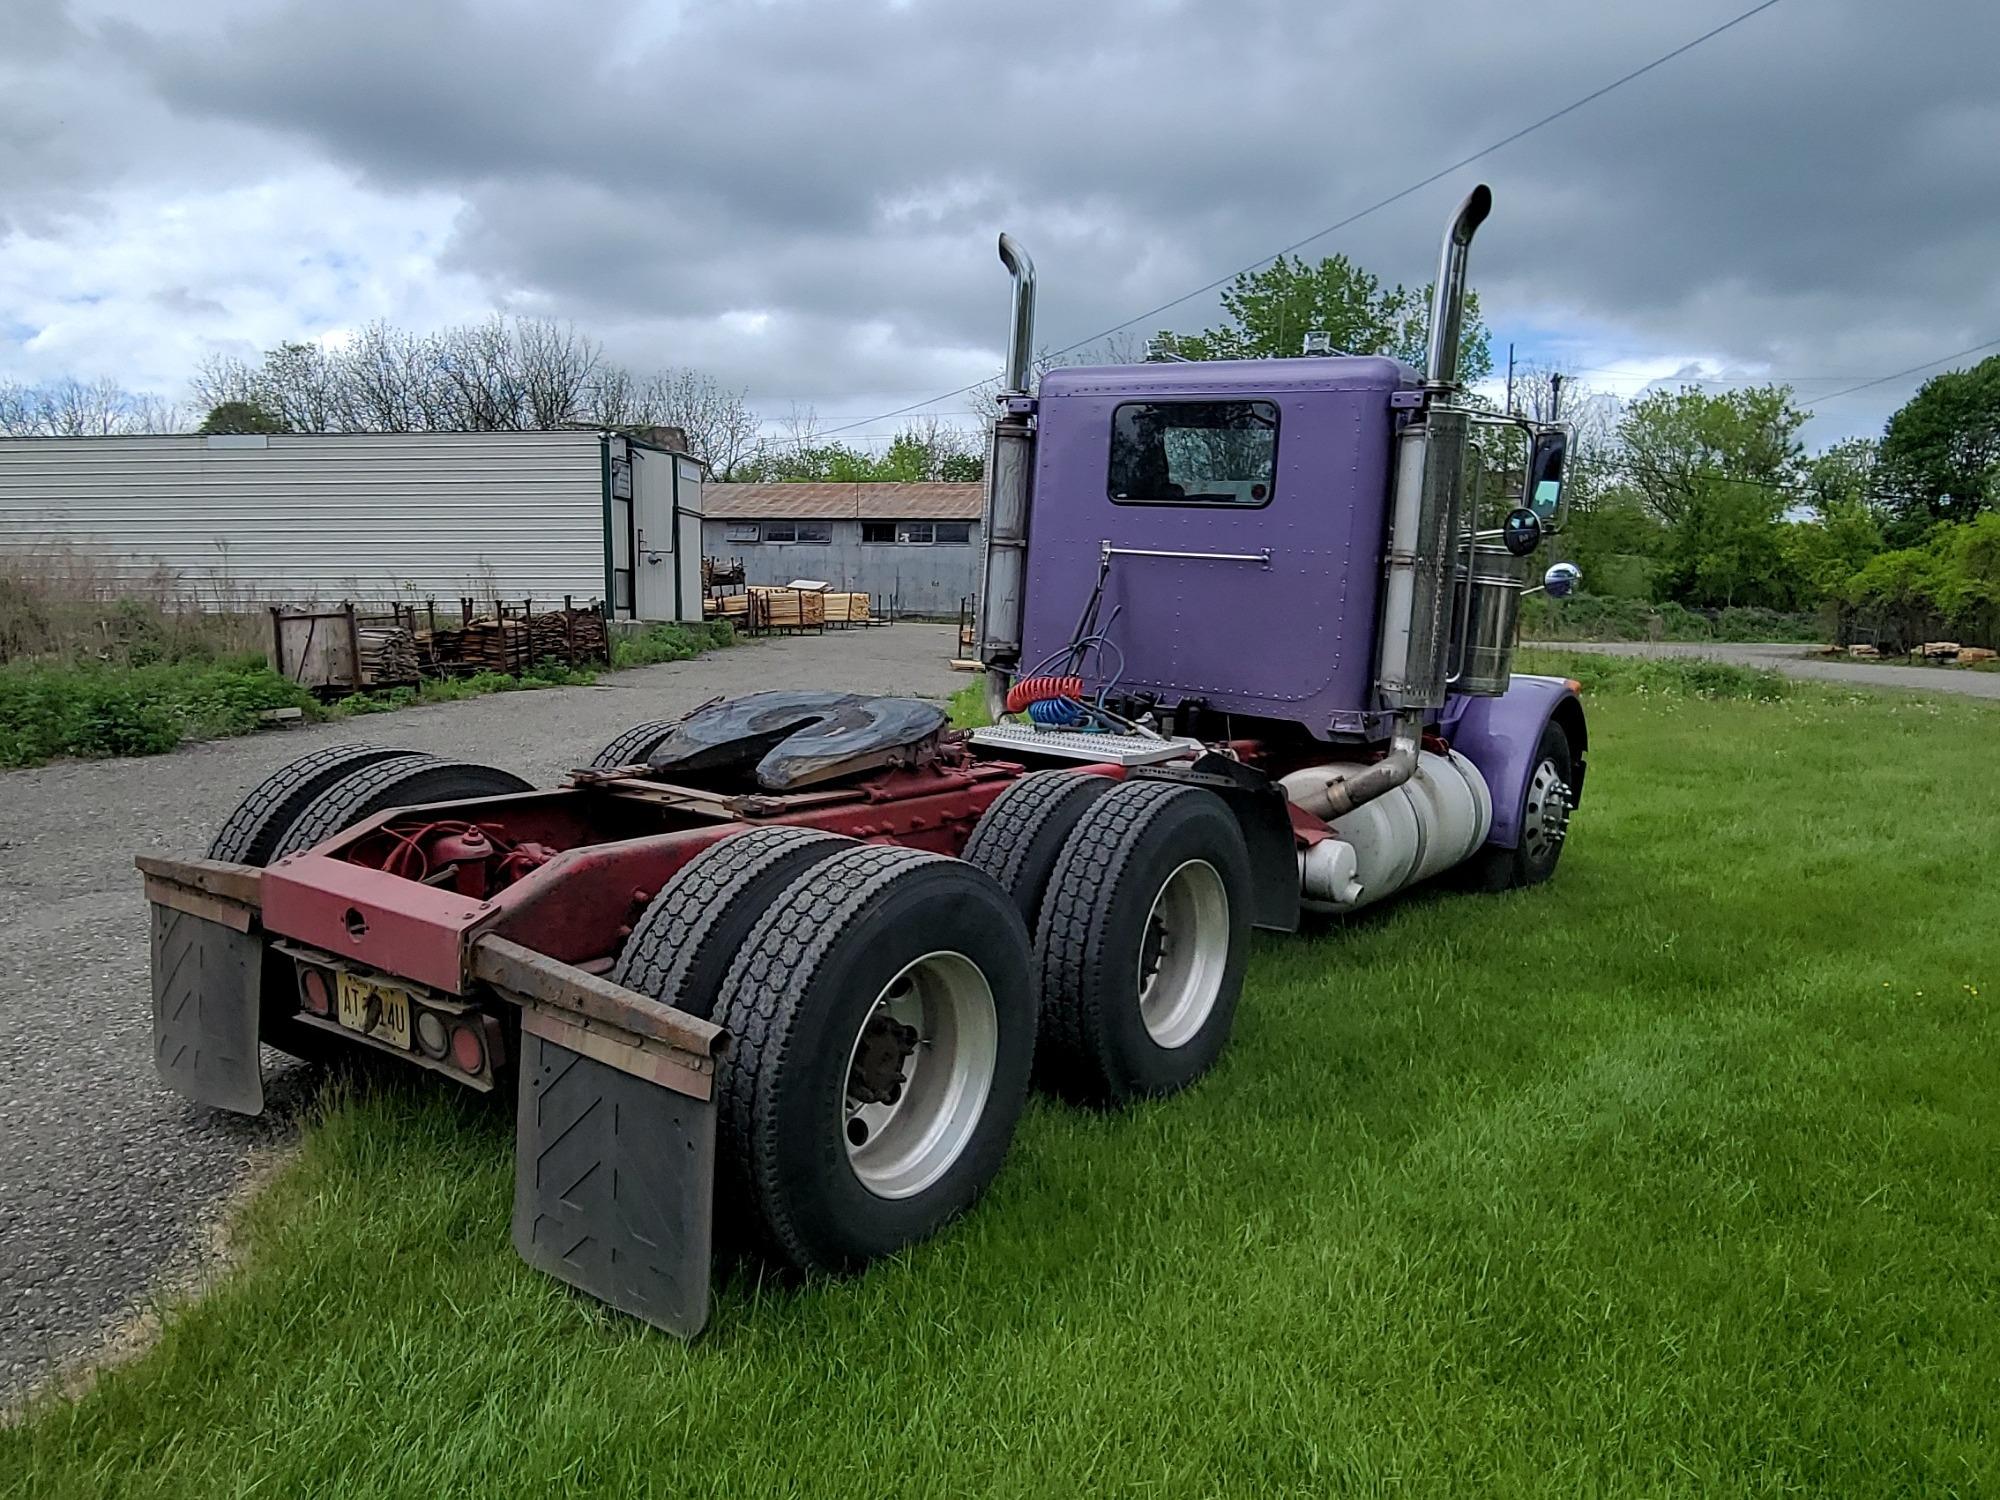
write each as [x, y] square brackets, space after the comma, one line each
[1873, 380]
[1927, 364]
[1353, 218]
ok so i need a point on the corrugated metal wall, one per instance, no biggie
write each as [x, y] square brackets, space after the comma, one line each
[920, 580]
[298, 518]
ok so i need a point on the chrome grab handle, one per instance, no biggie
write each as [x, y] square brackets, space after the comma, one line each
[1106, 552]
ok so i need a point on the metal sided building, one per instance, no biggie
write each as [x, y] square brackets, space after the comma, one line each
[914, 547]
[299, 518]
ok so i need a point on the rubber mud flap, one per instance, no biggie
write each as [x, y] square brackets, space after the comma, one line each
[614, 1185]
[207, 983]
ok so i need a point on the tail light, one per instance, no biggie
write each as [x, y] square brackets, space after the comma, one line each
[432, 1035]
[468, 1048]
[316, 990]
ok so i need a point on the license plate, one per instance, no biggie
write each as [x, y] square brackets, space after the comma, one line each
[378, 1010]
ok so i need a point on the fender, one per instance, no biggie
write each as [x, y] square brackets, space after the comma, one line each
[1499, 735]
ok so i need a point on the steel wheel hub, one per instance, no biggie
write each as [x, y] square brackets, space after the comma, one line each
[918, 1074]
[1545, 824]
[1182, 954]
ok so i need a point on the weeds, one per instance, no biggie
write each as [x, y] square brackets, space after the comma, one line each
[97, 709]
[671, 643]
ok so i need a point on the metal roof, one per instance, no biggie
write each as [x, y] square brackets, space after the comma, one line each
[842, 502]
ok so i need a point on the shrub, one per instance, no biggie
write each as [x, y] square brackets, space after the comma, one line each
[97, 709]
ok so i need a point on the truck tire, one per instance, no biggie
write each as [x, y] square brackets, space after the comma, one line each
[1141, 945]
[1544, 823]
[681, 949]
[883, 1032]
[634, 745]
[251, 833]
[1018, 837]
[387, 784]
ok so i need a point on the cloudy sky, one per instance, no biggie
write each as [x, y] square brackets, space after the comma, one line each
[800, 196]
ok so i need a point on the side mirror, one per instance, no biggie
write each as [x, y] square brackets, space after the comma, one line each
[1543, 493]
[1561, 580]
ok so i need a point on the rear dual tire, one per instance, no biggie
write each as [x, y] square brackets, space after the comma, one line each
[1141, 945]
[882, 1024]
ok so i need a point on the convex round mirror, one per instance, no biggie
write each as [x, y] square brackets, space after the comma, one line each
[1521, 532]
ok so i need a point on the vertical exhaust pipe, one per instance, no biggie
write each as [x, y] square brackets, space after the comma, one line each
[1021, 341]
[1411, 654]
[1004, 520]
[1448, 295]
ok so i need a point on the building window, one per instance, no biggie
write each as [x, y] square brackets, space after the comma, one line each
[798, 531]
[917, 533]
[1193, 452]
[739, 531]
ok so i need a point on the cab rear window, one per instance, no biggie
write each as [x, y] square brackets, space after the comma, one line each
[1193, 452]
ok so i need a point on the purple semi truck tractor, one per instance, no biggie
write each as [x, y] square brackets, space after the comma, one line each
[793, 961]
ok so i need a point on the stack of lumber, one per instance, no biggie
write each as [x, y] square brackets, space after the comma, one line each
[1938, 650]
[1972, 655]
[786, 609]
[726, 606]
[846, 609]
[388, 655]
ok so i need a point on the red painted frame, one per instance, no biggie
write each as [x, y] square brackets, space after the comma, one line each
[579, 907]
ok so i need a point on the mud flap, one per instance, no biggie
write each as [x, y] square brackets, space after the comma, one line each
[207, 982]
[614, 1183]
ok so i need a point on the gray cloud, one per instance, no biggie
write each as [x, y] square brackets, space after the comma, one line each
[802, 197]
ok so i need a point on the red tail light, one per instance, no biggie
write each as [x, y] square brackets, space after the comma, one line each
[468, 1051]
[316, 990]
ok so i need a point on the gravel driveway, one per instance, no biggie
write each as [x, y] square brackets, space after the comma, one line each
[1801, 661]
[105, 1177]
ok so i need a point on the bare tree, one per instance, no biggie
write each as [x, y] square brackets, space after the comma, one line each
[721, 429]
[78, 408]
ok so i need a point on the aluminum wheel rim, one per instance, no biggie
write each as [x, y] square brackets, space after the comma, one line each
[899, 1148]
[1546, 822]
[1182, 953]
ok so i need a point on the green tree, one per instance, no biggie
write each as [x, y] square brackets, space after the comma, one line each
[921, 452]
[1941, 450]
[1271, 310]
[239, 416]
[1675, 446]
[1616, 542]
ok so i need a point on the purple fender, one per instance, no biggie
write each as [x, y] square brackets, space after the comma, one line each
[1500, 736]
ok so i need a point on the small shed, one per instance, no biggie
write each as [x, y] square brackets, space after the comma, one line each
[914, 548]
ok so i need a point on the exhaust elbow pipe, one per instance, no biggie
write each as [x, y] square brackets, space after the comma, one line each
[1448, 295]
[1329, 796]
[1021, 341]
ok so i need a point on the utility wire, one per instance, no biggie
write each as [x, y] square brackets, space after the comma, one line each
[1914, 369]
[1353, 218]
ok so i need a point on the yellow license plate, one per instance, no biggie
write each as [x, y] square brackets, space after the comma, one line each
[378, 1010]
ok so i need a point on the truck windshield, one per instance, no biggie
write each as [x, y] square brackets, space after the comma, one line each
[1193, 452]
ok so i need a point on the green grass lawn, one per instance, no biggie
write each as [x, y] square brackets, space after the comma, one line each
[1674, 1176]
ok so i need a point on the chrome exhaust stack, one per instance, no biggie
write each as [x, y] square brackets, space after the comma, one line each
[1009, 462]
[1413, 651]
[1021, 341]
[1005, 515]
[1448, 296]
